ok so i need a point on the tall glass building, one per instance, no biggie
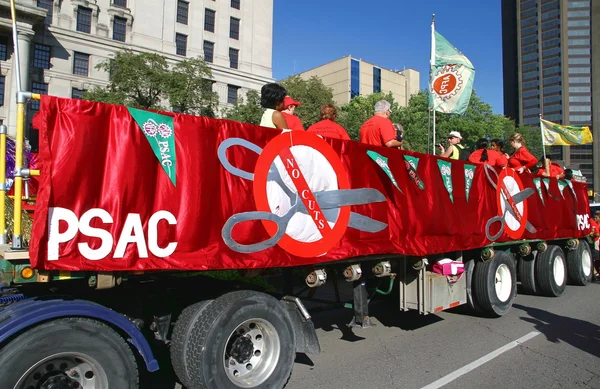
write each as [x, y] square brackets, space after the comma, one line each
[549, 66]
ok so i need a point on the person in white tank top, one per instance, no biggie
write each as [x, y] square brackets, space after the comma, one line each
[271, 98]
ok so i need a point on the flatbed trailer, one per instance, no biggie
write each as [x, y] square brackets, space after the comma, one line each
[161, 233]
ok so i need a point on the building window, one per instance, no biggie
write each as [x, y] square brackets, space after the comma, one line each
[209, 49]
[41, 56]
[119, 29]
[77, 93]
[354, 78]
[120, 3]
[233, 58]
[2, 81]
[47, 5]
[235, 4]
[209, 20]
[232, 94]
[376, 80]
[42, 89]
[234, 28]
[183, 8]
[181, 43]
[3, 48]
[81, 64]
[84, 19]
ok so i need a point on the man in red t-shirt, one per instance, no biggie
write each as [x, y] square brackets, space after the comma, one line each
[379, 130]
[293, 121]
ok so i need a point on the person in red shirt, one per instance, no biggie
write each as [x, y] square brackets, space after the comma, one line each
[327, 127]
[521, 159]
[293, 121]
[379, 130]
[483, 155]
[555, 170]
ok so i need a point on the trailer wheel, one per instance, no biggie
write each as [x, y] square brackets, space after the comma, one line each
[71, 352]
[495, 284]
[551, 271]
[580, 264]
[526, 269]
[243, 339]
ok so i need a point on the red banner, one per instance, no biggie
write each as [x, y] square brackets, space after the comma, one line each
[123, 189]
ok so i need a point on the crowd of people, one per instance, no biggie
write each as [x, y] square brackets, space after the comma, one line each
[380, 131]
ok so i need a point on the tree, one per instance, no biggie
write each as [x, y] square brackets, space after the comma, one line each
[312, 93]
[145, 80]
[246, 110]
[189, 88]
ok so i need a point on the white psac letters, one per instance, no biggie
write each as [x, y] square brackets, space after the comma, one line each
[583, 222]
[132, 233]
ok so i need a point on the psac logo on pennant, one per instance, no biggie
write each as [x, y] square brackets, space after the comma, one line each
[132, 232]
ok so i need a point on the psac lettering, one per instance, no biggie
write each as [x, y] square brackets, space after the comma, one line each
[583, 222]
[132, 232]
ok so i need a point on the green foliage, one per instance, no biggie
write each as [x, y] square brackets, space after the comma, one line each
[145, 80]
[312, 93]
[246, 110]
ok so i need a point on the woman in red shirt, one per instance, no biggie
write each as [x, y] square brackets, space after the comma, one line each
[327, 126]
[483, 155]
[521, 159]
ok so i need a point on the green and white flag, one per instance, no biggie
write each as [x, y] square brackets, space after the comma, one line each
[538, 185]
[159, 130]
[452, 76]
[469, 174]
[446, 171]
[561, 186]
[383, 164]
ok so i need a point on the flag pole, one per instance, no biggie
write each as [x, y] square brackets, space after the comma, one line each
[543, 143]
[432, 64]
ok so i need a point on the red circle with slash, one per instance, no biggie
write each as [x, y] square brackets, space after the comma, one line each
[281, 146]
[503, 191]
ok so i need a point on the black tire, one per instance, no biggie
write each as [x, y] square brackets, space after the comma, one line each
[207, 335]
[74, 337]
[181, 333]
[551, 271]
[580, 262]
[484, 286]
[526, 272]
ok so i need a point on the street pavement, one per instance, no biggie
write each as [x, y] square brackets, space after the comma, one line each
[558, 347]
[405, 350]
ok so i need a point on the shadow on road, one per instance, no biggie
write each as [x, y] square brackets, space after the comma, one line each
[578, 333]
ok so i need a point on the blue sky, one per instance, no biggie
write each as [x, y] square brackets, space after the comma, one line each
[392, 34]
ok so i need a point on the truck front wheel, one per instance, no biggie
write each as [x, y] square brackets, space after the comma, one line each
[580, 264]
[68, 353]
[243, 339]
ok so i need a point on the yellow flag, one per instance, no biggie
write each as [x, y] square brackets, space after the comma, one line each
[559, 135]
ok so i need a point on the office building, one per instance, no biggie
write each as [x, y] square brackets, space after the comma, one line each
[350, 77]
[61, 42]
[551, 55]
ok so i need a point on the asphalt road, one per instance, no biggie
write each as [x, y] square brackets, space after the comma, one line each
[558, 347]
[406, 350]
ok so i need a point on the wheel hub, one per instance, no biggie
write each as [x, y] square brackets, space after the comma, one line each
[242, 349]
[58, 382]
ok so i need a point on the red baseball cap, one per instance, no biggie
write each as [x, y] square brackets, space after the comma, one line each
[289, 101]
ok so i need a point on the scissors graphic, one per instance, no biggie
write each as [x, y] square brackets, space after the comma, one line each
[509, 203]
[329, 202]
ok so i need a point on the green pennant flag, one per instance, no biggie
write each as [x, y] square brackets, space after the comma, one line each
[561, 186]
[383, 164]
[538, 184]
[412, 163]
[469, 174]
[160, 133]
[446, 171]
[572, 189]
